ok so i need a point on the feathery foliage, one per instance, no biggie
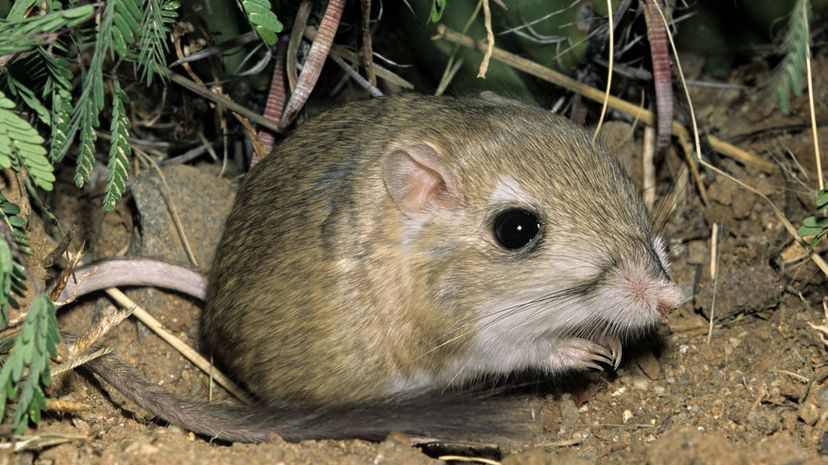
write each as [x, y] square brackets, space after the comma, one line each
[36, 343]
[21, 145]
[262, 19]
[91, 101]
[159, 16]
[12, 271]
[789, 75]
[19, 90]
[24, 34]
[119, 151]
[58, 86]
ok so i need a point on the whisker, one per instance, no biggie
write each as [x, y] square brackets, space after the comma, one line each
[471, 322]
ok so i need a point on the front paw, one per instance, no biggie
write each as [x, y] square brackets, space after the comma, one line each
[580, 354]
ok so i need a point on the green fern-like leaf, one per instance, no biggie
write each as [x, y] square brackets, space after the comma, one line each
[58, 88]
[34, 346]
[86, 157]
[58, 72]
[262, 19]
[20, 143]
[119, 151]
[20, 35]
[789, 76]
[12, 273]
[91, 101]
[61, 115]
[19, 90]
[6, 268]
[126, 23]
[153, 44]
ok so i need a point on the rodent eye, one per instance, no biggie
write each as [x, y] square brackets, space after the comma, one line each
[516, 227]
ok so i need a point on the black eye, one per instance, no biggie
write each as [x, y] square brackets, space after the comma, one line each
[516, 227]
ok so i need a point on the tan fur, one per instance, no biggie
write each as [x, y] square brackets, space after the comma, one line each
[316, 295]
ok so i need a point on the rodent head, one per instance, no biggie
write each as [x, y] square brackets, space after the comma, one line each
[529, 230]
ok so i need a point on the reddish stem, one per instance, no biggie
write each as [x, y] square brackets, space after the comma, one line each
[275, 100]
[315, 61]
[662, 78]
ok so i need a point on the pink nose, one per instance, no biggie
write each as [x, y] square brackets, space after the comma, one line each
[670, 297]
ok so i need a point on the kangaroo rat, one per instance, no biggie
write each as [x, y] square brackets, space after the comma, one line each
[411, 243]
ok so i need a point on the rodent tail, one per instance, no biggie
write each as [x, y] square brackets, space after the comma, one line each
[451, 416]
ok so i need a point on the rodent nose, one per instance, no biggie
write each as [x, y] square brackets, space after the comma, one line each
[670, 298]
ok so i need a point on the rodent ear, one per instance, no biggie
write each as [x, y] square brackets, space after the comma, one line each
[418, 179]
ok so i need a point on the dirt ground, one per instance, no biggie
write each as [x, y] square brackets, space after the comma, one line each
[752, 389]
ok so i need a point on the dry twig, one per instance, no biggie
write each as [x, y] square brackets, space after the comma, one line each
[188, 352]
[550, 75]
[490, 40]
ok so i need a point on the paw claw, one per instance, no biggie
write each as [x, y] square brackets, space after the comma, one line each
[613, 343]
[585, 354]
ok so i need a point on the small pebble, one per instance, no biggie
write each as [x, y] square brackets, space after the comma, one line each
[764, 420]
[141, 448]
[822, 397]
[641, 383]
[81, 425]
[809, 413]
[649, 365]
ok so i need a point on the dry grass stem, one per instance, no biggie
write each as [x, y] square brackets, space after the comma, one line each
[820, 180]
[822, 329]
[364, 83]
[714, 251]
[490, 40]
[687, 150]
[381, 72]
[463, 458]
[367, 43]
[714, 274]
[39, 441]
[188, 352]
[202, 91]
[208, 146]
[441, 88]
[550, 75]
[65, 406]
[648, 180]
[563, 443]
[179, 226]
[259, 150]
[451, 66]
[611, 28]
